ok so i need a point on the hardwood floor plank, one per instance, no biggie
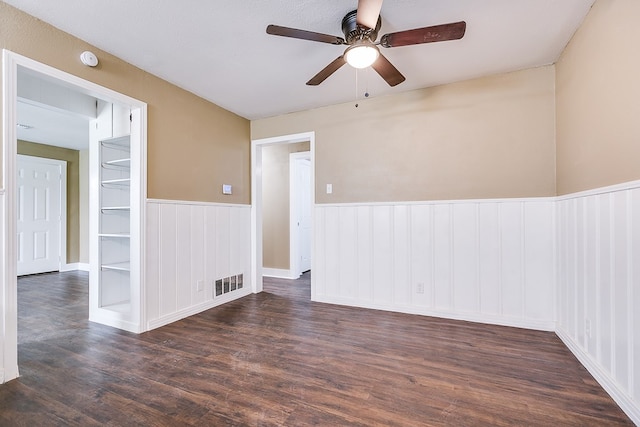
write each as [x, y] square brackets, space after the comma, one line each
[276, 358]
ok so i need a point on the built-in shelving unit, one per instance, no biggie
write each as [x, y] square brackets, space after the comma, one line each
[114, 224]
[116, 215]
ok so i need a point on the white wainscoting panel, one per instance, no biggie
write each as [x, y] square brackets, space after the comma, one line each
[3, 288]
[599, 287]
[188, 242]
[489, 261]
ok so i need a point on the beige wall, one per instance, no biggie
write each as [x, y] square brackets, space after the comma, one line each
[275, 202]
[485, 138]
[73, 185]
[598, 93]
[194, 146]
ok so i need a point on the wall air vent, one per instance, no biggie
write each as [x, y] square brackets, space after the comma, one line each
[229, 284]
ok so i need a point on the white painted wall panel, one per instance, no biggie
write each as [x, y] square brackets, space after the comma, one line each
[332, 257]
[168, 264]
[592, 257]
[489, 259]
[442, 257]
[539, 280]
[475, 260]
[466, 293]
[210, 251]
[223, 241]
[402, 286]
[382, 240]
[621, 257]
[347, 254]
[183, 283]
[634, 291]
[152, 261]
[197, 261]
[364, 260]
[512, 268]
[421, 255]
[319, 261]
[599, 287]
[189, 242]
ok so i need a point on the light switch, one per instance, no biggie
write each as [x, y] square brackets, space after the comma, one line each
[329, 188]
[226, 189]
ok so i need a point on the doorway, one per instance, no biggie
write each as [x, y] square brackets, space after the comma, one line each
[12, 63]
[257, 208]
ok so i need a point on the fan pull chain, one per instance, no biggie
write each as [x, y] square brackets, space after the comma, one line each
[366, 82]
[357, 71]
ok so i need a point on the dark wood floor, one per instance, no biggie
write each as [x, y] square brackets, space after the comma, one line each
[278, 359]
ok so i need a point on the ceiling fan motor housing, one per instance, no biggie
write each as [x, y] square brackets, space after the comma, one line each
[354, 32]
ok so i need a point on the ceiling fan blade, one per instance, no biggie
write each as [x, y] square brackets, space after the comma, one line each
[437, 33]
[368, 13]
[277, 30]
[387, 71]
[327, 71]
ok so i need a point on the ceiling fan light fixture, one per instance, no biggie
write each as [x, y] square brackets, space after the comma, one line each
[361, 55]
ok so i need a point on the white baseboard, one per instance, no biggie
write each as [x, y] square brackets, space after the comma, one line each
[81, 266]
[109, 320]
[179, 315]
[624, 401]
[278, 273]
[538, 325]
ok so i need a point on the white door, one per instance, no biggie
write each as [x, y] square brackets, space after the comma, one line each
[302, 201]
[39, 215]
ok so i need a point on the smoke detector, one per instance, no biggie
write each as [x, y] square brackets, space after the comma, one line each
[89, 58]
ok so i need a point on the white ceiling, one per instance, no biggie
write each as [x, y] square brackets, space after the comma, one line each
[220, 51]
[52, 126]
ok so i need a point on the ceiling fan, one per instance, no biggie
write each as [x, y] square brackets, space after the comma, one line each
[360, 28]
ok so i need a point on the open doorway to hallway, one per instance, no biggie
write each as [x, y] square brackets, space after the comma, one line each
[286, 220]
[280, 227]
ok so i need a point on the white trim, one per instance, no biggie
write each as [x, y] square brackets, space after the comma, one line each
[196, 203]
[62, 223]
[279, 273]
[548, 326]
[623, 400]
[75, 266]
[8, 283]
[444, 202]
[601, 190]
[256, 201]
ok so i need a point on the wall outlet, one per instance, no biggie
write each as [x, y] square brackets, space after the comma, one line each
[420, 288]
[200, 285]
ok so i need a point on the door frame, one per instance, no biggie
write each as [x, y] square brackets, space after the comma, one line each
[256, 201]
[8, 281]
[294, 230]
[62, 223]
